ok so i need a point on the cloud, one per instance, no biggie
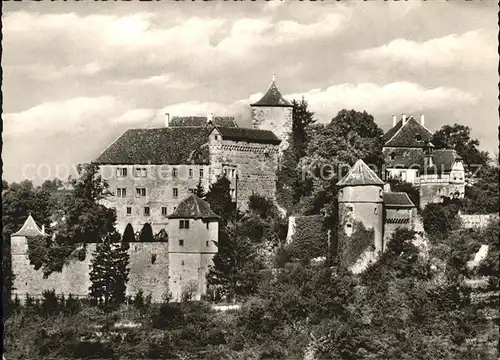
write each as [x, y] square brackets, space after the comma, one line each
[391, 98]
[96, 43]
[473, 50]
[68, 116]
[163, 81]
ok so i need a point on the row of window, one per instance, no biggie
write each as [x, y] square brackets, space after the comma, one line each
[181, 243]
[147, 211]
[122, 172]
[142, 192]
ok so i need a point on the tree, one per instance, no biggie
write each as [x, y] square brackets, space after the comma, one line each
[457, 137]
[289, 185]
[200, 190]
[220, 200]
[351, 135]
[302, 118]
[440, 219]
[236, 269]
[109, 271]
[81, 217]
[482, 197]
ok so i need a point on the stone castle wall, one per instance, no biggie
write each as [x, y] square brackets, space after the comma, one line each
[397, 218]
[477, 221]
[277, 119]
[149, 272]
[256, 166]
[434, 188]
[159, 184]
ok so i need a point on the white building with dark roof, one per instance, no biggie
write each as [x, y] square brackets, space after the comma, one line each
[410, 156]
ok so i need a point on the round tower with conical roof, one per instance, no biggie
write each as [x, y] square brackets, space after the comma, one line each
[361, 200]
[273, 112]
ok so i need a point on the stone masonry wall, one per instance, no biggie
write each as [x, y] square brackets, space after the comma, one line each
[146, 274]
[277, 119]
[74, 278]
[159, 184]
[433, 189]
[256, 166]
[479, 221]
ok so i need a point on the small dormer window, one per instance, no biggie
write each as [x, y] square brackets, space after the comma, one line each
[392, 156]
[418, 137]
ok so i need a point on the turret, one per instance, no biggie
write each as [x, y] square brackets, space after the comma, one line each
[361, 200]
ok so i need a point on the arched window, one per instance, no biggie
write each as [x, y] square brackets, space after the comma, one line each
[146, 233]
[128, 234]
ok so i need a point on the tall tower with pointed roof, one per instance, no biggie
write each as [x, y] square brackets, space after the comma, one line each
[273, 112]
[361, 200]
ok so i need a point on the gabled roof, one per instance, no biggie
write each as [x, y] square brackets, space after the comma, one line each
[360, 174]
[193, 207]
[410, 134]
[178, 121]
[398, 200]
[403, 158]
[174, 145]
[249, 135]
[29, 228]
[179, 145]
[273, 97]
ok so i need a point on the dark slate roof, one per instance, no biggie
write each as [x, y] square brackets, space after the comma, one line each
[444, 159]
[407, 135]
[403, 158]
[226, 121]
[360, 174]
[29, 228]
[273, 97]
[193, 207]
[397, 199]
[249, 135]
[179, 145]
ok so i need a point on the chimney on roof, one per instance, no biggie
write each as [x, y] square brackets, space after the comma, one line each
[167, 119]
[394, 120]
[43, 229]
[422, 119]
[210, 118]
[404, 118]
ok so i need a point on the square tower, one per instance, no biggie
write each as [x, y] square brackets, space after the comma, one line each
[193, 231]
[273, 112]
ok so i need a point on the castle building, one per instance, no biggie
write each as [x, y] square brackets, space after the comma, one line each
[362, 198]
[410, 156]
[157, 268]
[149, 171]
[273, 112]
[193, 235]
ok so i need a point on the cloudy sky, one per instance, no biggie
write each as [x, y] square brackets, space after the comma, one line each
[76, 75]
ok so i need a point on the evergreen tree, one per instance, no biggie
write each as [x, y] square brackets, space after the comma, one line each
[109, 272]
[220, 200]
[200, 190]
[236, 269]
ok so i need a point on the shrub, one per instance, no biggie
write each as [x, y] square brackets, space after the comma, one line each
[440, 219]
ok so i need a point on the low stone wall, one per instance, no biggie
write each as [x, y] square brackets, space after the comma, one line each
[477, 221]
